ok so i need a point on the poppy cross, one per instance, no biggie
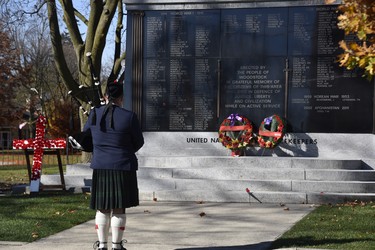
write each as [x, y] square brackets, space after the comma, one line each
[38, 144]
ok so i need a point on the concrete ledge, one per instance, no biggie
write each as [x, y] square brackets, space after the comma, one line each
[70, 180]
[245, 173]
[334, 198]
[264, 197]
[152, 184]
[225, 196]
[340, 175]
[333, 186]
[179, 162]
[247, 161]
[244, 161]
[156, 185]
[155, 173]
[326, 163]
[225, 179]
[78, 169]
[233, 185]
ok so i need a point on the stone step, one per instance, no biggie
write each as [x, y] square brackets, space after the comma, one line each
[255, 162]
[246, 172]
[257, 185]
[153, 184]
[339, 175]
[334, 186]
[224, 196]
[271, 179]
[255, 197]
[261, 174]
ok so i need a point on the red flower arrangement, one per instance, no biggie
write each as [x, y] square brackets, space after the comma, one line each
[38, 144]
[30, 143]
[271, 132]
[38, 148]
[236, 133]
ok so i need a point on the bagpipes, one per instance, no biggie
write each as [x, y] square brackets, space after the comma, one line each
[83, 140]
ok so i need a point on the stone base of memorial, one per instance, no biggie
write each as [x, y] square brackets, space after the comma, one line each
[317, 145]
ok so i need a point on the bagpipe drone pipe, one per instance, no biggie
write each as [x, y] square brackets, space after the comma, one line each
[83, 140]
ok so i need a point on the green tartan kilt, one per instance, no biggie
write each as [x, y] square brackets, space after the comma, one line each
[114, 189]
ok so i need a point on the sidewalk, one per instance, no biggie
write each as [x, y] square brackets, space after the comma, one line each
[186, 226]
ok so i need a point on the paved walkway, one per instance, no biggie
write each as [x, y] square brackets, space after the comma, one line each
[186, 226]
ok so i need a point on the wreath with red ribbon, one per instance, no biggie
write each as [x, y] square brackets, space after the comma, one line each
[271, 131]
[236, 132]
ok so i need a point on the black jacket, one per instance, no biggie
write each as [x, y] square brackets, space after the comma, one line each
[114, 144]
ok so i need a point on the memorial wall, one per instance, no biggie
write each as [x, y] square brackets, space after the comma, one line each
[199, 66]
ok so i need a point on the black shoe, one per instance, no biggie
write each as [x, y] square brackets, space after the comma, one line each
[121, 244]
[96, 246]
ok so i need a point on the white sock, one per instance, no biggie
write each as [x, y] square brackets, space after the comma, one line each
[102, 227]
[118, 222]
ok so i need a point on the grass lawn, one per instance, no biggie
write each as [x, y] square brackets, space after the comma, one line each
[27, 218]
[348, 226]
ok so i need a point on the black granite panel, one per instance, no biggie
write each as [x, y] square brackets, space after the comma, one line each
[260, 62]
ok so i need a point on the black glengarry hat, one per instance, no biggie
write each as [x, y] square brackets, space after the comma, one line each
[115, 89]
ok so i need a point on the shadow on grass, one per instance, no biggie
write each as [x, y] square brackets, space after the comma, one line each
[311, 242]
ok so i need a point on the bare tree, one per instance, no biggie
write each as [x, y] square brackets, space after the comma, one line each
[97, 26]
[88, 31]
[44, 88]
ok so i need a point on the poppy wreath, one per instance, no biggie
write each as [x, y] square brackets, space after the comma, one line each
[271, 131]
[235, 132]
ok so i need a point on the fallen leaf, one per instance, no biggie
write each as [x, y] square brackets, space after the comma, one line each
[286, 208]
[329, 1]
[202, 214]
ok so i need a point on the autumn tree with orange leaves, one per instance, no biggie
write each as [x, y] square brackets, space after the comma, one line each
[357, 17]
[12, 75]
